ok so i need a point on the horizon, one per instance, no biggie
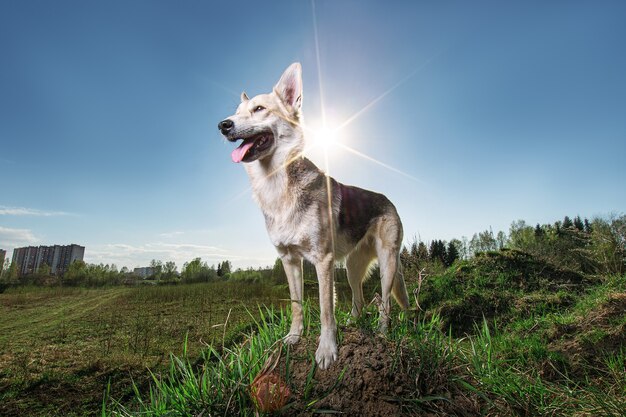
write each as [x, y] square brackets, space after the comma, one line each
[406, 245]
[468, 117]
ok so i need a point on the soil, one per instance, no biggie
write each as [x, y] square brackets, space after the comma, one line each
[368, 379]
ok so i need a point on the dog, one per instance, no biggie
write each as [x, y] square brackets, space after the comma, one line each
[309, 215]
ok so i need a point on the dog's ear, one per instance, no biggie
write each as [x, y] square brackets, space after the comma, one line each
[289, 87]
[244, 96]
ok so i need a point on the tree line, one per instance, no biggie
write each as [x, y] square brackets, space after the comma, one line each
[596, 246]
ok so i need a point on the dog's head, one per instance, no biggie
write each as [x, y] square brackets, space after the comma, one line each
[268, 122]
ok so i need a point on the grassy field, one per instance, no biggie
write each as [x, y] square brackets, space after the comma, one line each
[501, 334]
[59, 347]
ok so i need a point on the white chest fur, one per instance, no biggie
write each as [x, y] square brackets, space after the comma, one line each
[288, 224]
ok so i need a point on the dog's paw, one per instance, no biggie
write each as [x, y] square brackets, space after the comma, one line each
[291, 338]
[326, 353]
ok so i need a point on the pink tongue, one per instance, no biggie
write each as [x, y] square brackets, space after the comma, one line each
[240, 152]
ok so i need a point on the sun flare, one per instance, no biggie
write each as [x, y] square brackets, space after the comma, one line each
[324, 137]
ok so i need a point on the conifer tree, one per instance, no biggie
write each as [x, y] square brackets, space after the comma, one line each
[422, 252]
[539, 232]
[567, 223]
[578, 224]
[452, 254]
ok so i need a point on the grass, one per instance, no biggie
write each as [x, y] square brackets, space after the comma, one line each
[554, 346]
[221, 384]
[60, 346]
[546, 354]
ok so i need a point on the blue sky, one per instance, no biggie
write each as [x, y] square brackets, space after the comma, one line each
[493, 112]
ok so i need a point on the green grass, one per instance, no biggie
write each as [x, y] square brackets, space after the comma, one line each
[220, 385]
[521, 340]
[60, 346]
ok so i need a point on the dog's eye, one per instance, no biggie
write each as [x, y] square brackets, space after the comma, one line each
[258, 109]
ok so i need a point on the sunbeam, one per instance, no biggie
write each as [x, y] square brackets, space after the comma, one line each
[386, 93]
[319, 64]
[382, 164]
[322, 136]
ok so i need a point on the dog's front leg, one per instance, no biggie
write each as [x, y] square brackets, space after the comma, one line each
[326, 352]
[293, 269]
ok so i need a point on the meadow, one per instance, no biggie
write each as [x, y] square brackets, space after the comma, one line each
[502, 334]
[60, 346]
[530, 325]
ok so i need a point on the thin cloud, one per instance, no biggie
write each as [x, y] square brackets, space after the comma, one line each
[178, 233]
[123, 254]
[171, 234]
[23, 211]
[16, 237]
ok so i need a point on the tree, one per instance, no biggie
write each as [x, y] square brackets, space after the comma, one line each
[567, 223]
[464, 248]
[452, 254]
[4, 270]
[13, 274]
[609, 244]
[521, 235]
[278, 272]
[157, 268]
[483, 242]
[198, 271]
[405, 257]
[76, 273]
[578, 224]
[501, 240]
[44, 270]
[8, 273]
[438, 251]
[539, 232]
[422, 253]
[169, 270]
[223, 269]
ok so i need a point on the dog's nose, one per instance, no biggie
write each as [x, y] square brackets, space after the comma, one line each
[225, 126]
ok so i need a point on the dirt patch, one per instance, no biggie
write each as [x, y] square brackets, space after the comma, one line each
[372, 377]
[600, 332]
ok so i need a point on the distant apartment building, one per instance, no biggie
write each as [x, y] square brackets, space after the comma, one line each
[30, 258]
[3, 255]
[144, 272]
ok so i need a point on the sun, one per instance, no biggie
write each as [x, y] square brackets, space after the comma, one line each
[324, 137]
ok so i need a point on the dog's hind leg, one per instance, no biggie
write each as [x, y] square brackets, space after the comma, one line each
[388, 244]
[399, 288]
[293, 269]
[357, 264]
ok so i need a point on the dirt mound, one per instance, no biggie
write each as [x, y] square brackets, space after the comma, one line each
[370, 378]
[600, 332]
